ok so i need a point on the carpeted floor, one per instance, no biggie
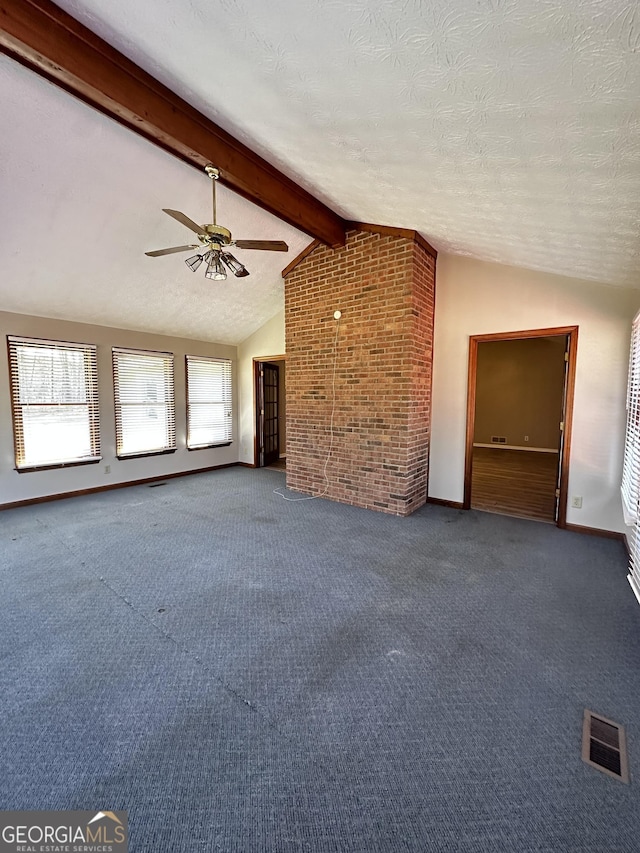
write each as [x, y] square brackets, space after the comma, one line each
[244, 674]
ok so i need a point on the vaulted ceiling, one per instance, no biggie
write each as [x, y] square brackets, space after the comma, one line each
[82, 202]
[505, 130]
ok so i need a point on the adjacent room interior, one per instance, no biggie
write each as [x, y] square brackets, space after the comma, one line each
[519, 420]
[314, 418]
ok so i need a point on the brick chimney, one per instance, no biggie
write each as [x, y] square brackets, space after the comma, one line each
[359, 389]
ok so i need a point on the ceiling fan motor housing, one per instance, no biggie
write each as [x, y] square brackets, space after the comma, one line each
[215, 234]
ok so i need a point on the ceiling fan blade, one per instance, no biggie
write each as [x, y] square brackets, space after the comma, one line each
[184, 220]
[267, 245]
[159, 252]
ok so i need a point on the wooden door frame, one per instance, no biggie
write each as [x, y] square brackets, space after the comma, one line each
[567, 331]
[256, 378]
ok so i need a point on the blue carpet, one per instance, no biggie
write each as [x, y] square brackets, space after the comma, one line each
[245, 674]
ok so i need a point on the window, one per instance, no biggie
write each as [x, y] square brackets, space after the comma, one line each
[209, 414]
[631, 464]
[144, 401]
[54, 398]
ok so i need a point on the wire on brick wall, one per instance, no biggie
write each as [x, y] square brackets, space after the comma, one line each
[331, 430]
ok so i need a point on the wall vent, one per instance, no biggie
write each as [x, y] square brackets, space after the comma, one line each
[604, 746]
[498, 439]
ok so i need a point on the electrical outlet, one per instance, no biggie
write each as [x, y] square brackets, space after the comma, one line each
[107, 469]
[526, 438]
[576, 502]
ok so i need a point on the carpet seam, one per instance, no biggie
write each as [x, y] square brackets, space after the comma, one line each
[185, 650]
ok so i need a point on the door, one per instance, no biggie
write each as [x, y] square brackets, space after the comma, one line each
[514, 463]
[268, 414]
[565, 391]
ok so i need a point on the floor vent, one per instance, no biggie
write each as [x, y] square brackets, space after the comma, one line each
[498, 439]
[604, 746]
[155, 485]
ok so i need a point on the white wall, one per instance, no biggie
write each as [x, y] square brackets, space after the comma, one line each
[267, 341]
[16, 486]
[474, 298]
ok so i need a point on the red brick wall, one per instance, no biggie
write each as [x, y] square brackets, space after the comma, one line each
[384, 287]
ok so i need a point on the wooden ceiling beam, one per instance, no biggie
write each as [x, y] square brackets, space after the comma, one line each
[43, 37]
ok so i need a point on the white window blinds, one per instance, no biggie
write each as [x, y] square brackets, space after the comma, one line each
[209, 403]
[144, 402]
[631, 464]
[54, 397]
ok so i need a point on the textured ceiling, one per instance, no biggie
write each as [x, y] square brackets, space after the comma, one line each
[506, 130]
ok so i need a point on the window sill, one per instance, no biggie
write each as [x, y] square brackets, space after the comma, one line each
[50, 466]
[210, 446]
[144, 453]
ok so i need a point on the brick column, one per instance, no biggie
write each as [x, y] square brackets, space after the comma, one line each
[377, 390]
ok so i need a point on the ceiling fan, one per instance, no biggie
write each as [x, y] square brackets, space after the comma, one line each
[214, 241]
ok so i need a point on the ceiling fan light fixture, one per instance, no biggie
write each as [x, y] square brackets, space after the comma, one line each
[238, 269]
[215, 270]
[194, 262]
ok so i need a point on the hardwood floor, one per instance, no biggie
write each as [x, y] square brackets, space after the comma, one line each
[515, 482]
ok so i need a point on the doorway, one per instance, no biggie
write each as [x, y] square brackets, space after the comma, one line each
[270, 409]
[519, 411]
